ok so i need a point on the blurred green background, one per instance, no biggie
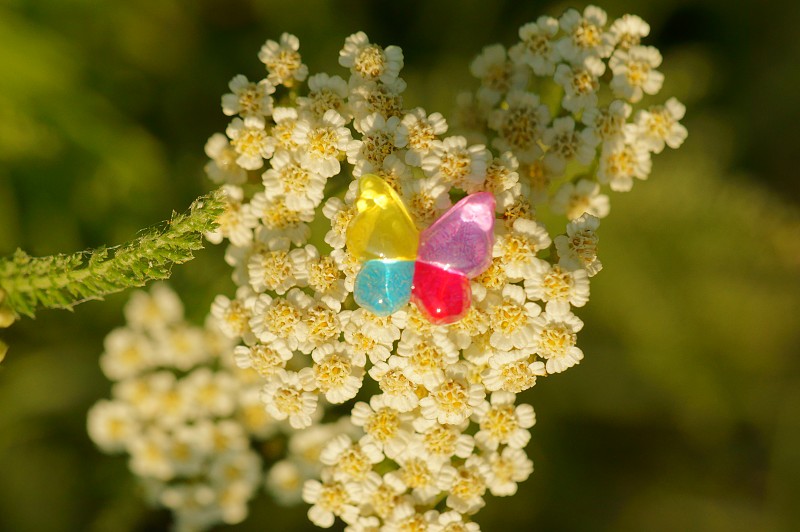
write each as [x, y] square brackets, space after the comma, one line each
[684, 415]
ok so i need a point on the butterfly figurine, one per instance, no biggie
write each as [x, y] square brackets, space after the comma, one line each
[432, 268]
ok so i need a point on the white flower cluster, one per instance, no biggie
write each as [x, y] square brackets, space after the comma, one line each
[437, 419]
[183, 417]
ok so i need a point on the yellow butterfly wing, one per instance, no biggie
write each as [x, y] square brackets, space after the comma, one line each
[382, 229]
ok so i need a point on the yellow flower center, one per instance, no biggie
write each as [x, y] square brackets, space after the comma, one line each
[517, 377]
[370, 62]
[556, 340]
[332, 372]
[383, 424]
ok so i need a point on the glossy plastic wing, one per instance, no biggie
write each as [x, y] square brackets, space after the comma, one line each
[443, 296]
[462, 239]
[382, 229]
[384, 286]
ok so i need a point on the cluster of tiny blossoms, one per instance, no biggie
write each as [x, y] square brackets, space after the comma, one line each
[188, 417]
[435, 407]
[184, 420]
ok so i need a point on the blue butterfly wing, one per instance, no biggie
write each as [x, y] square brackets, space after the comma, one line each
[384, 286]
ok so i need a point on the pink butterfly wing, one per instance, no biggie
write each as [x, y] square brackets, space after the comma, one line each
[462, 239]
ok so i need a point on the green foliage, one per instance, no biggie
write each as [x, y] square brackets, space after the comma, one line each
[63, 281]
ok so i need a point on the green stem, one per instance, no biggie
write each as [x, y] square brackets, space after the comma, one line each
[63, 281]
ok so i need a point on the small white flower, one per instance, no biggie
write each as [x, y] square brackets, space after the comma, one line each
[305, 446]
[608, 124]
[278, 221]
[222, 167]
[187, 452]
[364, 524]
[251, 142]
[557, 335]
[472, 325]
[635, 72]
[399, 392]
[251, 101]
[659, 125]
[453, 522]
[253, 416]
[181, 346]
[282, 133]
[324, 323]
[396, 172]
[236, 222]
[454, 399]
[325, 93]
[535, 180]
[284, 397]
[127, 353]
[581, 83]
[210, 392]
[370, 62]
[508, 468]
[536, 47]
[424, 475]
[233, 315]
[283, 61]
[350, 461]
[628, 31]
[468, 486]
[427, 358]
[502, 180]
[112, 425]
[150, 455]
[550, 282]
[340, 216]
[512, 371]
[443, 442]
[621, 161]
[281, 318]
[516, 249]
[585, 35]
[385, 426]
[348, 265]
[406, 518]
[330, 498]
[322, 144]
[285, 482]
[575, 199]
[565, 144]
[377, 143]
[498, 75]
[271, 268]
[578, 248]
[384, 496]
[418, 133]
[371, 97]
[301, 187]
[520, 125]
[426, 199]
[372, 335]
[335, 373]
[265, 359]
[457, 164]
[318, 273]
[501, 423]
[512, 320]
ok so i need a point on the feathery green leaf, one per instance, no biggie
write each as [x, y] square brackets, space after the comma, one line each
[63, 281]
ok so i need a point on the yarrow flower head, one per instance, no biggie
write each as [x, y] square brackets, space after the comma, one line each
[186, 433]
[186, 408]
[371, 311]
